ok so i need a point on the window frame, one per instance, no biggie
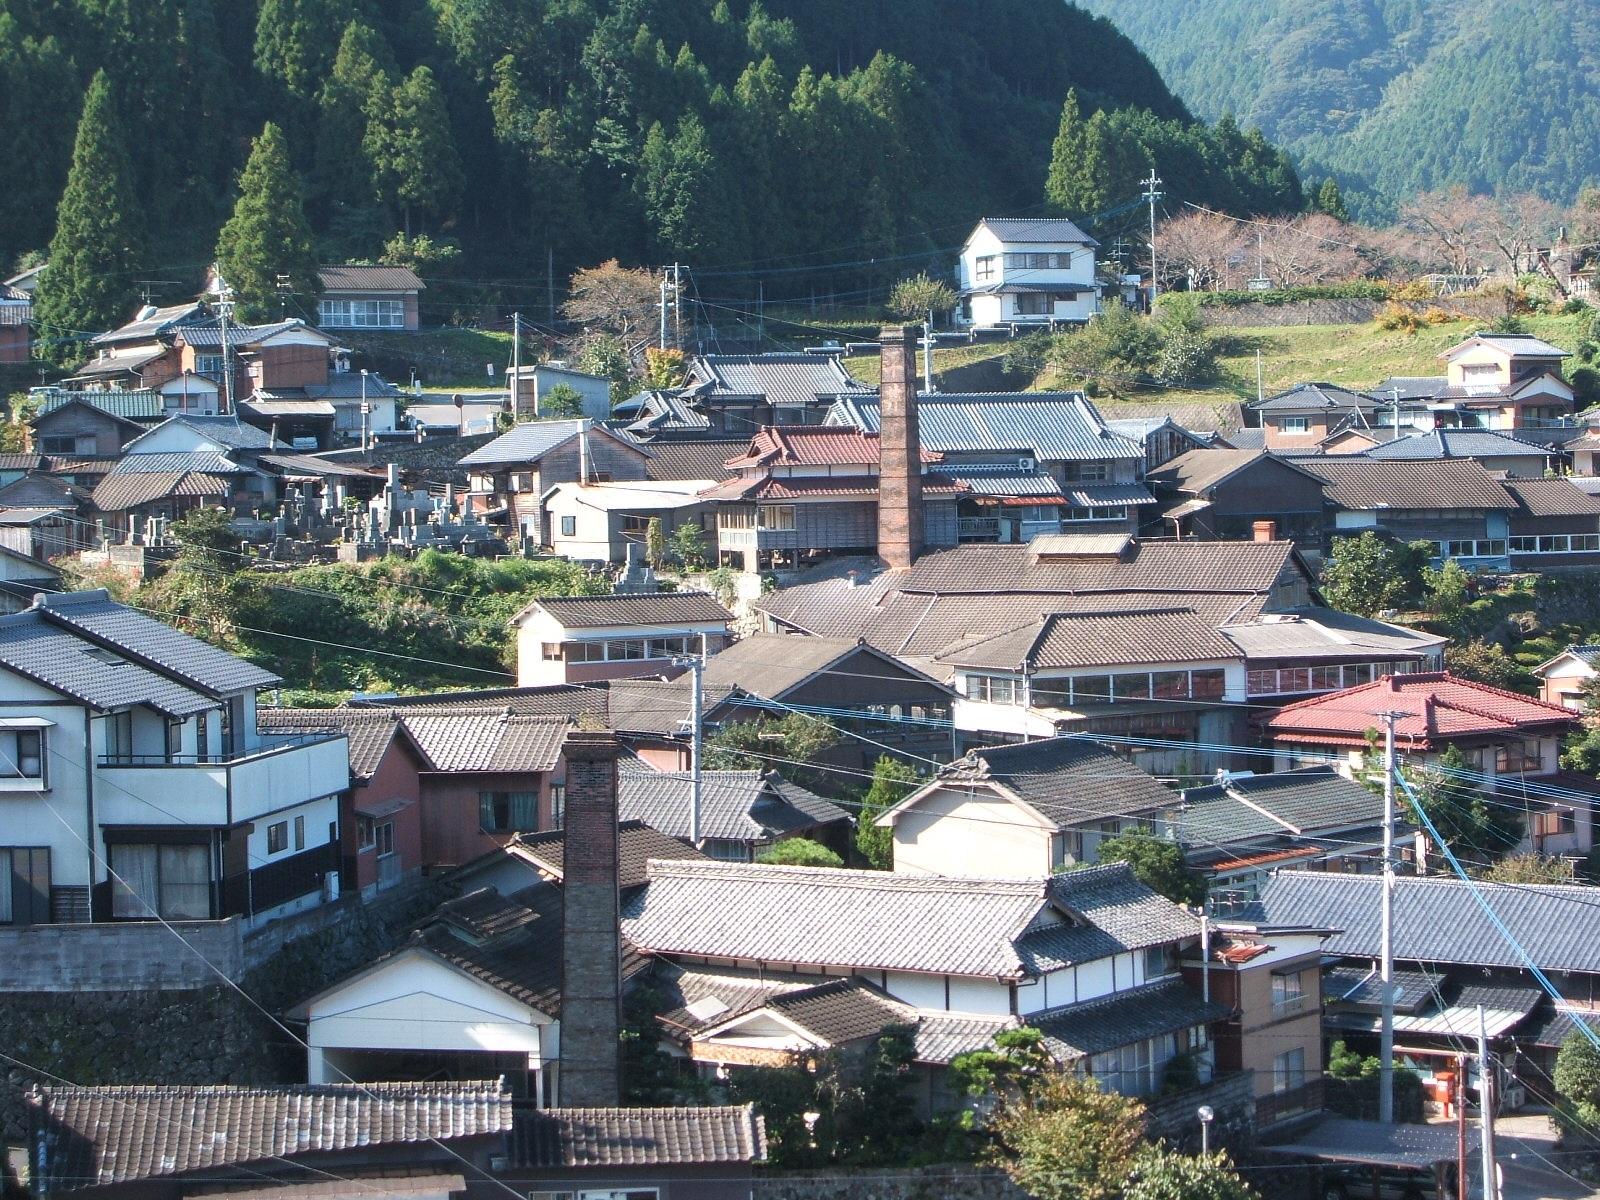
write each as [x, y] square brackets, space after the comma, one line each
[278, 837]
[569, 526]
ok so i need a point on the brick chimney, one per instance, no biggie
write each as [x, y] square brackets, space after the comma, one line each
[591, 945]
[899, 450]
[1264, 531]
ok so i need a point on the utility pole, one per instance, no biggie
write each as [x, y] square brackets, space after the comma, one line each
[697, 665]
[927, 353]
[1386, 931]
[662, 343]
[1491, 1185]
[1394, 394]
[1152, 195]
[516, 366]
[224, 307]
[1461, 1127]
[1259, 396]
[761, 313]
[364, 411]
[677, 305]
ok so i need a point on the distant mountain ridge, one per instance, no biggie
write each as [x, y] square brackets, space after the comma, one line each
[1392, 96]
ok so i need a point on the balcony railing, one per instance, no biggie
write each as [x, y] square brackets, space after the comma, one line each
[267, 744]
[978, 529]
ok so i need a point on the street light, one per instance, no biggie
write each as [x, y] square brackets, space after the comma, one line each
[363, 411]
[1207, 1115]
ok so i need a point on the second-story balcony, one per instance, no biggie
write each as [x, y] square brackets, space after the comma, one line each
[274, 772]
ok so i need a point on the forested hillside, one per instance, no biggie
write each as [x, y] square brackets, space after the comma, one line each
[1393, 96]
[542, 135]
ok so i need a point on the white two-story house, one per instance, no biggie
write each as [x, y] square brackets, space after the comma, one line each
[134, 783]
[1026, 271]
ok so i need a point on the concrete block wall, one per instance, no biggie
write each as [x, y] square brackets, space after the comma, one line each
[119, 957]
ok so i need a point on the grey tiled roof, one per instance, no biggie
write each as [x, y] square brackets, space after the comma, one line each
[1123, 1018]
[361, 277]
[879, 920]
[1052, 426]
[1315, 397]
[1068, 780]
[631, 608]
[1411, 387]
[1311, 799]
[692, 460]
[64, 662]
[227, 431]
[842, 1010]
[735, 806]
[1524, 344]
[1344, 1140]
[158, 321]
[486, 739]
[370, 731]
[118, 492]
[1457, 443]
[143, 404]
[1438, 920]
[941, 1037]
[1037, 229]
[1198, 471]
[638, 843]
[177, 461]
[1089, 639]
[532, 440]
[209, 333]
[787, 379]
[1552, 498]
[95, 1136]
[96, 617]
[770, 664]
[1360, 483]
[638, 1137]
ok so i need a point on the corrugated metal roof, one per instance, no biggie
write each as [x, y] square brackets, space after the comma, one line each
[630, 608]
[143, 404]
[786, 379]
[1052, 426]
[532, 440]
[1456, 443]
[154, 322]
[598, 1138]
[1060, 640]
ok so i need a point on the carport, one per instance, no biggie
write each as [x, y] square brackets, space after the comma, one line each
[1342, 1141]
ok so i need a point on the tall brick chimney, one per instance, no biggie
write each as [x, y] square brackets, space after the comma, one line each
[899, 450]
[591, 944]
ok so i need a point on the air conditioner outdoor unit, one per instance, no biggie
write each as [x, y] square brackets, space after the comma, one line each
[1024, 464]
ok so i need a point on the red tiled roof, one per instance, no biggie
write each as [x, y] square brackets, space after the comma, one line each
[1437, 708]
[814, 445]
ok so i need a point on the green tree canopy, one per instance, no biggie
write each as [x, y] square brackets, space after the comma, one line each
[95, 251]
[1367, 574]
[411, 147]
[1158, 864]
[267, 238]
[915, 298]
[799, 852]
[1330, 200]
[892, 781]
[1070, 1141]
[361, 78]
[1161, 1173]
[1577, 1080]
[784, 744]
[561, 402]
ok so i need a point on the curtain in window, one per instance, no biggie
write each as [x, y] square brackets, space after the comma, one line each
[525, 811]
[7, 884]
[486, 811]
[185, 883]
[135, 889]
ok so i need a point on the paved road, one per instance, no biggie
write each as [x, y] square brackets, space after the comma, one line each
[1531, 1166]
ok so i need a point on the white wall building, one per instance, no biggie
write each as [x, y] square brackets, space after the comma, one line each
[136, 783]
[1023, 271]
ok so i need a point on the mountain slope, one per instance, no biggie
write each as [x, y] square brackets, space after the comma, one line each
[1393, 96]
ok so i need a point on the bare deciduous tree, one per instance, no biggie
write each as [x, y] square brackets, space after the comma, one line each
[1452, 223]
[613, 299]
[1314, 248]
[1206, 247]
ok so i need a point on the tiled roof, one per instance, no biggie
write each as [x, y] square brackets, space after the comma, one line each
[154, 322]
[209, 333]
[364, 278]
[1551, 498]
[555, 1138]
[1310, 800]
[1051, 426]
[370, 730]
[176, 462]
[1438, 921]
[879, 920]
[1457, 443]
[144, 404]
[1438, 708]
[1198, 471]
[21, 462]
[630, 608]
[532, 440]
[67, 664]
[1067, 780]
[1037, 486]
[306, 464]
[735, 806]
[1315, 397]
[786, 379]
[813, 445]
[1123, 1018]
[770, 664]
[1036, 229]
[1522, 345]
[695, 998]
[117, 492]
[941, 1037]
[1186, 566]
[769, 488]
[841, 1010]
[692, 460]
[1107, 495]
[658, 706]
[638, 843]
[661, 411]
[1311, 633]
[228, 432]
[1361, 483]
[1411, 387]
[96, 617]
[485, 738]
[94, 1136]
[1091, 639]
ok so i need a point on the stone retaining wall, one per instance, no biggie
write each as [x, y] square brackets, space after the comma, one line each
[1341, 312]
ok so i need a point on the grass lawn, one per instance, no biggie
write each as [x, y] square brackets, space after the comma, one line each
[444, 359]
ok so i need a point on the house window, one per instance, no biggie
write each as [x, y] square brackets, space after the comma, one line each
[736, 518]
[1287, 995]
[984, 268]
[1170, 685]
[1553, 822]
[170, 881]
[1091, 689]
[277, 837]
[1295, 424]
[208, 364]
[635, 525]
[776, 516]
[1086, 472]
[1065, 849]
[22, 754]
[300, 833]
[383, 838]
[24, 885]
[1289, 1070]
[1032, 304]
[508, 812]
[1209, 684]
[58, 445]
[1080, 513]
[1160, 961]
[366, 833]
[1515, 757]
[174, 740]
[551, 651]
[558, 804]
[569, 526]
[119, 734]
[996, 689]
[361, 314]
[726, 850]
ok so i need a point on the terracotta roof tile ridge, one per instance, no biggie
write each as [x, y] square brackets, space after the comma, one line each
[1316, 701]
[1502, 692]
